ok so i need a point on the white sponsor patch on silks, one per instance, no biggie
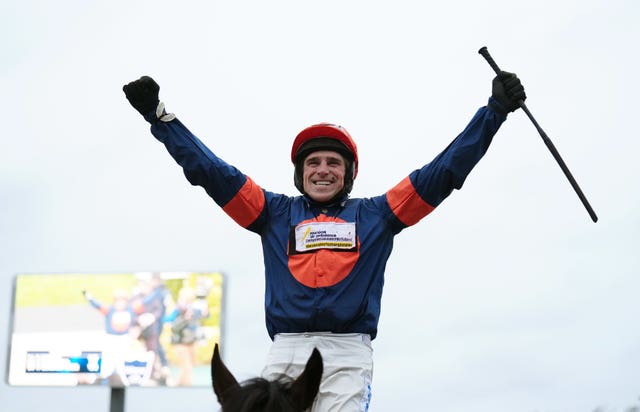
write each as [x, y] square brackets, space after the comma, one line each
[325, 235]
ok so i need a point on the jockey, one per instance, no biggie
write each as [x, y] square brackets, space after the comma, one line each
[324, 252]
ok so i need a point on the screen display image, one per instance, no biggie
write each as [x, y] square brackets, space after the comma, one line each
[117, 330]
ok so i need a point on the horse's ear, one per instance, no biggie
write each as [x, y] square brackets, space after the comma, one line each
[221, 379]
[305, 388]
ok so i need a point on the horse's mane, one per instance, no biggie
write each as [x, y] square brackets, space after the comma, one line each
[259, 394]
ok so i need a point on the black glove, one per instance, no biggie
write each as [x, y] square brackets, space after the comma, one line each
[143, 94]
[508, 91]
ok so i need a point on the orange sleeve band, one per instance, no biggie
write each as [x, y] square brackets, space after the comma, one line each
[247, 204]
[407, 204]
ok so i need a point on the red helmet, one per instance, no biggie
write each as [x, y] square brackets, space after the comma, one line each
[325, 136]
[329, 137]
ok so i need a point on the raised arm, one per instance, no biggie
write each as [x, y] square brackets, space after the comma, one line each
[235, 192]
[424, 189]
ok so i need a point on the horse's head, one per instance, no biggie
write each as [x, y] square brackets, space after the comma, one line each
[258, 395]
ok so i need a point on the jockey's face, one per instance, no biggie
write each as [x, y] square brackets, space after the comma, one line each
[323, 175]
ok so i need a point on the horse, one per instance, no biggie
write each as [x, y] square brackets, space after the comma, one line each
[261, 395]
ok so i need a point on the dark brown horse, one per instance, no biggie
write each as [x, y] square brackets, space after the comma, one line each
[261, 395]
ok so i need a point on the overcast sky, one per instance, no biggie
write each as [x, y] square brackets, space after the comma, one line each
[506, 298]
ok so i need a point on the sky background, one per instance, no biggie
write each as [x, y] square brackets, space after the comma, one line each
[506, 298]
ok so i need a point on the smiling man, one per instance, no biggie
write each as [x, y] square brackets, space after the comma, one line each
[323, 175]
[324, 252]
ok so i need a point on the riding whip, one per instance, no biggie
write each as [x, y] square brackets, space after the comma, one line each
[485, 53]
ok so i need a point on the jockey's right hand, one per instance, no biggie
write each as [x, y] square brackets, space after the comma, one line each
[143, 94]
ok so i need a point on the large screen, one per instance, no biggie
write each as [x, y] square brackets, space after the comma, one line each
[123, 329]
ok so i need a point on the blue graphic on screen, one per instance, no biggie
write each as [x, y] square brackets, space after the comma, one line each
[46, 362]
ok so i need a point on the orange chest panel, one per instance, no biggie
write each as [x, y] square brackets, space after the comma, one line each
[328, 263]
